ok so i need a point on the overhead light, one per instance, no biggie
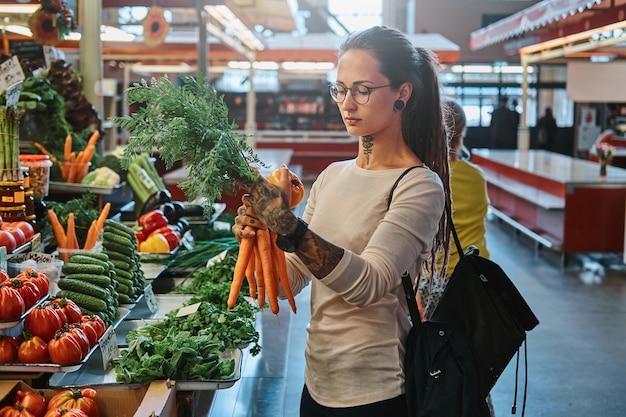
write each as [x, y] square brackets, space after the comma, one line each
[17, 29]
[19, 8]
[227, 19]
[107, 33]
[182, 68]
[308, 66]
[257, 65]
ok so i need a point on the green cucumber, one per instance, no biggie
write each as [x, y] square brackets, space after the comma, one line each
[89, 302]
[82, 259]
[117, 264]
[123, 274]
[113, 255]
[125, 299]
[116, 247]
[117, 238]
[101, 281]
[123, 281]
[98, 255]
[80, 268]
[83, 287]
[111, 225]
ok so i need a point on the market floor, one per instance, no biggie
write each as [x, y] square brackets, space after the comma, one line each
[576, 356]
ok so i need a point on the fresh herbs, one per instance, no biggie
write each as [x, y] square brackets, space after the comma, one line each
[189, 123]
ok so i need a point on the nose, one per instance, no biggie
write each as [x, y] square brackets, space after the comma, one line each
[348, 102]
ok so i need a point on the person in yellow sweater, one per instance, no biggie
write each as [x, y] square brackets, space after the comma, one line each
[470, 203]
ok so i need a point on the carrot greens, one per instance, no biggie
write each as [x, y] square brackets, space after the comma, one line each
[189, 122]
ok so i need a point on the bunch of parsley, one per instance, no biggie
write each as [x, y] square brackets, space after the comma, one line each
[190, 123]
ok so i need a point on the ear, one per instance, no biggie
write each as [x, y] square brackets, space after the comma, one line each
[405, 91]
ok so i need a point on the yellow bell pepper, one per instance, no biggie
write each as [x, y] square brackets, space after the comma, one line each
[155, 243]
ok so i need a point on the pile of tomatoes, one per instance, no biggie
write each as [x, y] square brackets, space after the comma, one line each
[55, 331]
[15, 234]
[22, 292]
[68, 403]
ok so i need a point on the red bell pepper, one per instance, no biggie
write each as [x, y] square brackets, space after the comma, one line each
[171, 233]
[152, 220]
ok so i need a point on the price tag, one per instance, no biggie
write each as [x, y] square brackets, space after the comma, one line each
[13, 94]
[187, 310]
[10, 73]
[3, 258]
[151, 301]
[108, 347]
[50, 54]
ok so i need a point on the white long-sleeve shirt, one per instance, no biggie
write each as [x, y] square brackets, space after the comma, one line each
[359, 317]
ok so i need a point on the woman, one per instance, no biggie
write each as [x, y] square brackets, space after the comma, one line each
[547, 130]
[353, 250]
[470, 203]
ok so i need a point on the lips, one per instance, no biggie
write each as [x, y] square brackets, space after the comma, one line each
[351, 120]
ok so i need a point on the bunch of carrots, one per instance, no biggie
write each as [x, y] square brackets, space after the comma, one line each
[66, 238]
[75, 164]
[262, 263]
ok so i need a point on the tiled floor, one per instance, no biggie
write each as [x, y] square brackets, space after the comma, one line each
[576, 356]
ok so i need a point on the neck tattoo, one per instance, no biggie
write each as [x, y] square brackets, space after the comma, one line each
[368, 143]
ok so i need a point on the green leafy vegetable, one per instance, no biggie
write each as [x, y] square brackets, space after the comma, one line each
[189, 123]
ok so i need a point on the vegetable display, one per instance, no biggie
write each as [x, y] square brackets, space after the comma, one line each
[189, 123]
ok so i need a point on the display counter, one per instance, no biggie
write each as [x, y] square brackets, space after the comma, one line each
[562, 200]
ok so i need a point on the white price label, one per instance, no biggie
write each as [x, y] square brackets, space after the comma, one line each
[51, 54]
[108, 347]
[187, 310]
[151, 301]
[10, 73]
[13, 94]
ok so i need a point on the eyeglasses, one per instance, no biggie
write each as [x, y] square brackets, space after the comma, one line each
[360, 93]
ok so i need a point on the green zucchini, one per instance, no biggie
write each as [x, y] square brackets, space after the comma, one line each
[89, 302]
[80, 268]
[83, 287]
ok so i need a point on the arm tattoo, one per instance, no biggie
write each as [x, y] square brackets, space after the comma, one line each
[319, 256]
[269, 204]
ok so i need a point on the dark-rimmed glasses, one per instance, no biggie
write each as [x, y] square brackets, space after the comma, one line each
[360, 92]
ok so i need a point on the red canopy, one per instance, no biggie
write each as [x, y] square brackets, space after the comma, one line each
[529, 19]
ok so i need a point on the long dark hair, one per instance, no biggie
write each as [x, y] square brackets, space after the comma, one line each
[423, 128]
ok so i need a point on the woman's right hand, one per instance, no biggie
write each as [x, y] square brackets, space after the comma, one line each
[246, 222]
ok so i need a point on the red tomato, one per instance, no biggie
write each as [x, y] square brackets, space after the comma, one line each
[80, 336]
[39, 278]
[25, 227]
[90, 332]
[7, 240]
[82, 399]
[28, 290]
[297, 188]
[20, 238]
[15, 411]
[70, 308]
[66, 412]
[3, 274]
[32, 401]
[96, 322]
[44, 321]
[8, 349]
[11, 303]
[64, 349]
[33, 350]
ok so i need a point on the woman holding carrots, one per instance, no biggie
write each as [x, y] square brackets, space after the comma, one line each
[348, 245]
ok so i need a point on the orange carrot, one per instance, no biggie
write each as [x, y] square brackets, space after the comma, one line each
[250, 273]
[246, 249]
[93, 139]
[72, 242]
[67, 150]
[92, 236]
[57, 228]
[260, 277]
[104, 213]
[281, 266]
[269, 273]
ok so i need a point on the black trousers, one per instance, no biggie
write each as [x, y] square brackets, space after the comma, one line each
[395, 407]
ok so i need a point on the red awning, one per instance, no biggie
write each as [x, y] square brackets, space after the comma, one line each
[529, 19]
